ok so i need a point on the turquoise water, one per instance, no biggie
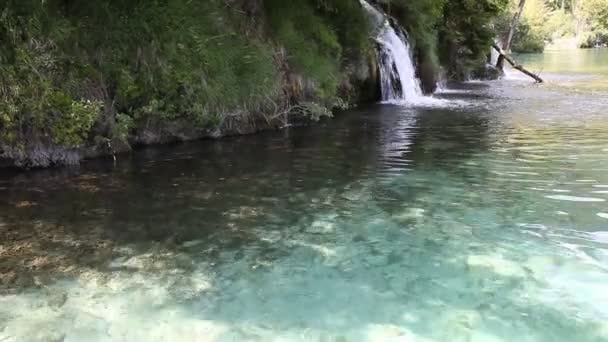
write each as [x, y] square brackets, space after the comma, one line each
[484, 218]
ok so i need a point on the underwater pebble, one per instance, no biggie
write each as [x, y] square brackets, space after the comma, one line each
[192, 243]
[321, 227]
[575, 198]
[495, 264]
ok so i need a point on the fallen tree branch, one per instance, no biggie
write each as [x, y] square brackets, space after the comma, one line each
[500, 63]
[515, 65]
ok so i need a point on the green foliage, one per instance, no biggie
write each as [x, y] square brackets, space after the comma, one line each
[422, 19]
[527, 40]
[191, 60]
[548, 20]
[72, 122]
[64, 58]
[456, 34]
[161, 61]
[466, 33]
[123, 126]
[74, 69]
[31, 104]
[559, 25]
[540, 23]
[311, 44]
[317, 36]
[592, 39]
[594, 16]
[529, 34]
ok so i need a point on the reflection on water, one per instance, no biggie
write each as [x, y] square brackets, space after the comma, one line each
[578, 69]
[570, 61]
[480, 223]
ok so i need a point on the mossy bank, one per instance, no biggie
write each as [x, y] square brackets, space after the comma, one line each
[82, 78]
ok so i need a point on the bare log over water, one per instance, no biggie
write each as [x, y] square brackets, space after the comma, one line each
[515, 65]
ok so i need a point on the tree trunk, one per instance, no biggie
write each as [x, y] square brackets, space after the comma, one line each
[507, 44]
[519, 67]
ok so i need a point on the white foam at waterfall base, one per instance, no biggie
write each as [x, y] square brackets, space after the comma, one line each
[509, 72]
[432, 102]
[399, 84]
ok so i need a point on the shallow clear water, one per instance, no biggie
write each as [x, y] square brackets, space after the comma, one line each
[482, 221]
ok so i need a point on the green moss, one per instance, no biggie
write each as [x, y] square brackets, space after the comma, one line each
[159, 61]
[197, 61]
[318, 36]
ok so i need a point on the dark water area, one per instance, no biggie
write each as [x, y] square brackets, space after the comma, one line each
[478, 216]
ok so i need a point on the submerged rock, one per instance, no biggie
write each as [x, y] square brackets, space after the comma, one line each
[189, 244]
[57, 300]
[321, 227]
[540, 266]
[389, 333]
[486, 72]
[495, 264]
[459, 325]
[409, 214]
[135, 262]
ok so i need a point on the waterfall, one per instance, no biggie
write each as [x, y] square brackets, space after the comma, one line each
[397, 71]
[493, 57]
[508, 71]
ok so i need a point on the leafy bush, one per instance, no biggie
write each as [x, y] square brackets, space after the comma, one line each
[71, 125]
[173, 60]
[161, 61]
[78, 69]
[594, 16]
[548, 20]
[466, 34]
[527, 40]
[560, 24]
[593, 39]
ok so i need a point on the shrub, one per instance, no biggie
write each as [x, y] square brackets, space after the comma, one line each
[526, 40]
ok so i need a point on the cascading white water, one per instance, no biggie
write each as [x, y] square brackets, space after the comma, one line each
[493, 57]
[508, 72]
[397, 71]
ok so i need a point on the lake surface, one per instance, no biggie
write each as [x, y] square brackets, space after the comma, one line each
[579, 69]
[482, 216]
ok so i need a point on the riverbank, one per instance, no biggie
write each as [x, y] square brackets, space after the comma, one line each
[83, 80]
[88, 78]
[46, 155]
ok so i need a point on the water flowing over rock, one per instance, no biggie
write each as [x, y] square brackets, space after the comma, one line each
[397, 70]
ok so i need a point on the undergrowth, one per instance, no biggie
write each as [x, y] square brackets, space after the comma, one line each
[75, 73]
[72, 71]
